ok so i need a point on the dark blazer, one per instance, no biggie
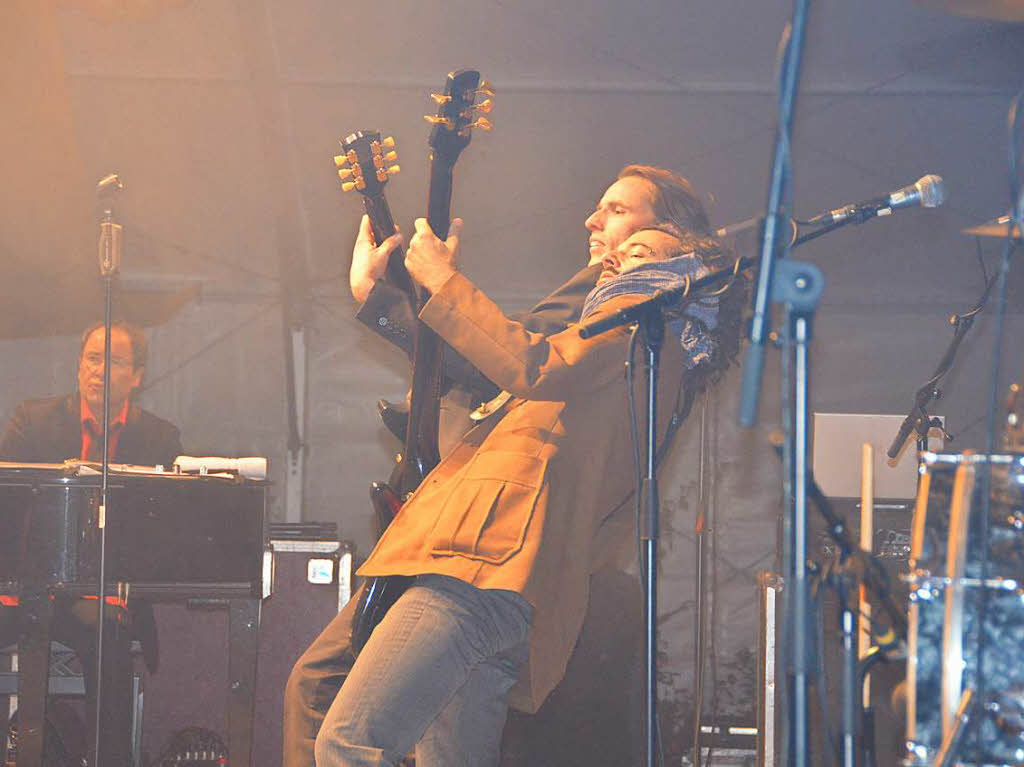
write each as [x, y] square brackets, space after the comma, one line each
[50, 431]
[387, 312]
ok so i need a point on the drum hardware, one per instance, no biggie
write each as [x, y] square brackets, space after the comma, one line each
[851, 566]
[927, 586]
[949, 587]
[955, 459]
[1009, 722]
[963, 725]
[1008, 709]
[1013, 429]
[848, 565]
[917, 419]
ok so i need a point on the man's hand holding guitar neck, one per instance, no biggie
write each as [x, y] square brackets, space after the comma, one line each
[369, 260]
[429, 260]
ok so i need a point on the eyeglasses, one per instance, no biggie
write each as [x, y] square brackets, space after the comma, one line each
[94, 361]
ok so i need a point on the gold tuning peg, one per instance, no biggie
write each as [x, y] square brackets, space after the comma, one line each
[340, 160]
[348, 186]
[388, 142]
[382, 175]
[394, 170]
[482, 123]
[345, 173]
[440, 98]
[484, 106]
[485, 88]
[435, 120]
[391, 156]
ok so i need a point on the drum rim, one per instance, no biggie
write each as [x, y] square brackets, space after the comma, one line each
[929, 457]
[953, 619]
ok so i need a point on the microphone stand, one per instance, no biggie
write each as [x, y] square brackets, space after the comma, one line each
[917, 419]
[109, 263]
[856, 566]
[649, 315]
[798, 288]
[794, 559]
[652, 331]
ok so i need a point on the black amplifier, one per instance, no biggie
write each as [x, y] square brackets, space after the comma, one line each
[310, 581]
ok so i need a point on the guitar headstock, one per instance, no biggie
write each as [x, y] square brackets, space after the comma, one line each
[366, 162]
[459, 112]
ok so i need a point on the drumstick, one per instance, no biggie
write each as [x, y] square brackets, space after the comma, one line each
[867, 524]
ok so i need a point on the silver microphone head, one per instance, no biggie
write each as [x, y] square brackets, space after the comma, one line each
[932, 190]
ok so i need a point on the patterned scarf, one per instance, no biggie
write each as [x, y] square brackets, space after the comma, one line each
[692, 326]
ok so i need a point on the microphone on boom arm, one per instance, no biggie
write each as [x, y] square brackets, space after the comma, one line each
[928, 192]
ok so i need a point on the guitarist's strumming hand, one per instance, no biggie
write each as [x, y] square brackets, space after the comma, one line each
[369, 260]
[430, 261]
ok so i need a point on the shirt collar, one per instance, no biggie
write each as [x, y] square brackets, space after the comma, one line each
[88, 418]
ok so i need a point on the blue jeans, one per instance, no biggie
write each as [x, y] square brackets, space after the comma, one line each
[433, 675]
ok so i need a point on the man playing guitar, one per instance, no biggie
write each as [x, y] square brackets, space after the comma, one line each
[500, 540]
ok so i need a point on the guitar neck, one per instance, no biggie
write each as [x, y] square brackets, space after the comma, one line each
[383, 226]
[421, 440]
[439, 200]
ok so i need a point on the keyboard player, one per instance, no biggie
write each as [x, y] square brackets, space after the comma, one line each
[57, 428]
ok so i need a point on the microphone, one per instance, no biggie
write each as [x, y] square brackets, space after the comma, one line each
[110, 243]
[928, 192]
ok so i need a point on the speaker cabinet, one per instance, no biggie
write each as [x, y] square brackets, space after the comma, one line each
[311, 581]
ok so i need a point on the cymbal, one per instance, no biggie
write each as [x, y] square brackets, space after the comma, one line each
[995, 228]
[997, 10]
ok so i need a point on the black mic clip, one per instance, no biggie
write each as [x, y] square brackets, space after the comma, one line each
[855, 213]
[872, 209]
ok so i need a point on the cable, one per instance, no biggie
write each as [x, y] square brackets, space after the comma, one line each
[714, 623]
[634, 427]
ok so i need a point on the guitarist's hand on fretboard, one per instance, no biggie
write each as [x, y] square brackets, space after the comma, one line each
[430, 261]
[369, 260]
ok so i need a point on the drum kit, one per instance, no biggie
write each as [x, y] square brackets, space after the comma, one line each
[967, 601]
[965, 681]
[966, 597]
[966, 576]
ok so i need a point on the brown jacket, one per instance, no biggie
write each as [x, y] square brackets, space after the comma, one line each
[388, 313]
[519, 503]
